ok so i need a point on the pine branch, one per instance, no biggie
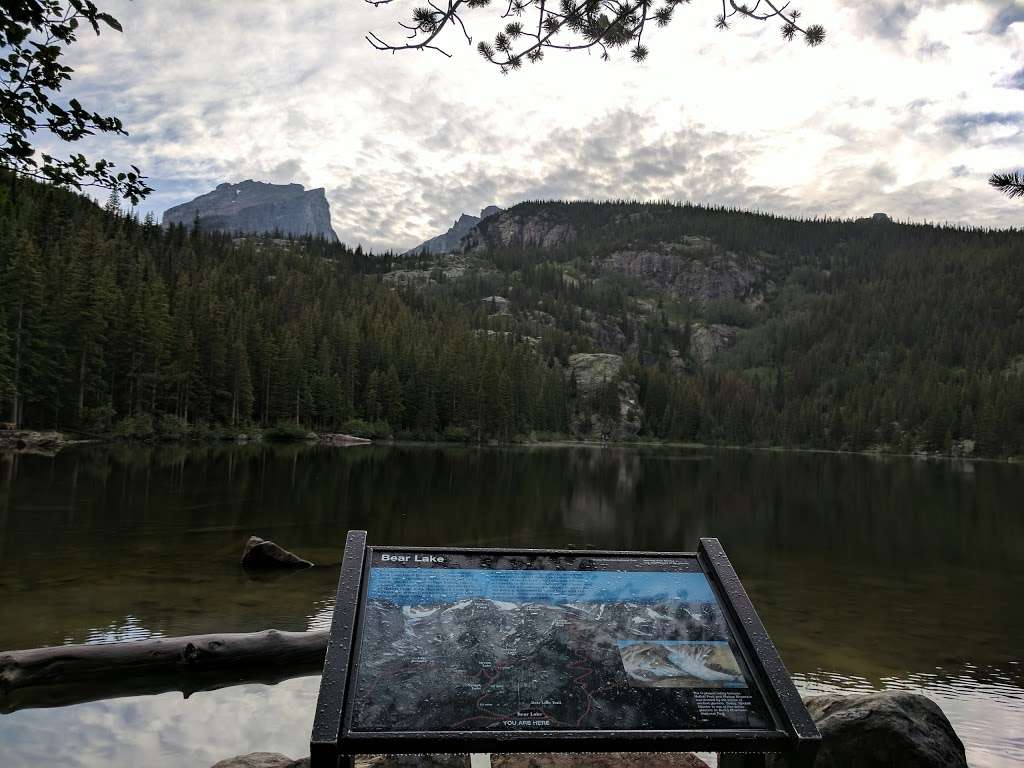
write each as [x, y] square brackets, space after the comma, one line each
[1010, 183]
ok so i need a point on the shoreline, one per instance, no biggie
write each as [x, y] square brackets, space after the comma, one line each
[51, 442]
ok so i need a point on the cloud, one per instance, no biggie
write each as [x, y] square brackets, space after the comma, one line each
[967, 125]
[1009, 13]
[876, 119]
[1016, 80]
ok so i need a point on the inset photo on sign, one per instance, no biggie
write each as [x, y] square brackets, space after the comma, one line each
[680, 664]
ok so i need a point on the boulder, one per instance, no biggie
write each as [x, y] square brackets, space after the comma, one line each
[884, 729]
[260, 553]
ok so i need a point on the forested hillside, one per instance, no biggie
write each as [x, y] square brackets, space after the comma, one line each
[109, 323]
[746, 328]
[588, 320]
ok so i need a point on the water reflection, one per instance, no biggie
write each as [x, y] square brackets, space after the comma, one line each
[168, 730]
[867, 571]
[164, 731]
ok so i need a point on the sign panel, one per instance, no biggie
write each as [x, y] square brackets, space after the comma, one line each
[472, 650]
[459, 641]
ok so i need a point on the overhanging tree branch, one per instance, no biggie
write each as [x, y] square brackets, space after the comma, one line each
[576, 25]
[33, 36]
[1010, 183]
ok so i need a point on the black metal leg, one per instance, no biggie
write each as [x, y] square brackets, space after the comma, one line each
[346, 761]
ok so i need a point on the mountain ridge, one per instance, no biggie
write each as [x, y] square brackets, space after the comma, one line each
[256, 207]
[450, 241]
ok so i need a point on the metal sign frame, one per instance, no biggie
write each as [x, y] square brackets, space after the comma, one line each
[334, 744]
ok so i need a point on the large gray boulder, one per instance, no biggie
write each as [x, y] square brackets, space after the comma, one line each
[260, 553]
[883, 729]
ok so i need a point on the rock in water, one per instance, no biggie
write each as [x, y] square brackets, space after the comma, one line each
[260, 553]
[257, 208]
[887, 728]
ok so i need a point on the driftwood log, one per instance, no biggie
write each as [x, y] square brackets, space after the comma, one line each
[70, 674]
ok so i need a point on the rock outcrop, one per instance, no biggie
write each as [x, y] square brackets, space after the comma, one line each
[694, 270]
[260, 553]
[707, 340]
[256, 207]
[515, 230]
[592, 371]
[450, 241]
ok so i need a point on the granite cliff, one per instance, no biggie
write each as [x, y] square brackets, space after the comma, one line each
[603, 290]
[256, 207]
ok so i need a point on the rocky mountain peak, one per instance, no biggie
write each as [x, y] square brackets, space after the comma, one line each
[256, 207]
[451, 240]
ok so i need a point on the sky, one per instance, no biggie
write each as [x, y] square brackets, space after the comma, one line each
[906, 108]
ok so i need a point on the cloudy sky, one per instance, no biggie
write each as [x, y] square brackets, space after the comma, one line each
[906, 108]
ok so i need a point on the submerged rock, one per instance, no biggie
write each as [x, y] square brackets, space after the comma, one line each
[260, 553]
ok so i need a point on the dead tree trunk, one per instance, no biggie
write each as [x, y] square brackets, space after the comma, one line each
[69, 674]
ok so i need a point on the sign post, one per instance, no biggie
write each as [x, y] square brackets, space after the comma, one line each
[497, 651]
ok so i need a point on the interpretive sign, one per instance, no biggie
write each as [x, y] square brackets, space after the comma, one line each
[510, 651]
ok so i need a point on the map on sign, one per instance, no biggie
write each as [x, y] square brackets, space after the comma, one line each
[470, 642]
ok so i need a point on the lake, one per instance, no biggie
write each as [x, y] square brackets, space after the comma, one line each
[868, 572]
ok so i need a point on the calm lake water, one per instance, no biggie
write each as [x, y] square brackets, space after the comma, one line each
[869, 573]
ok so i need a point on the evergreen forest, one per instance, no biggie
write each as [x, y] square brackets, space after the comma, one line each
[891, 336]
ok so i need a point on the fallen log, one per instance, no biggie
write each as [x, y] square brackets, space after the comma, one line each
[71, 674]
